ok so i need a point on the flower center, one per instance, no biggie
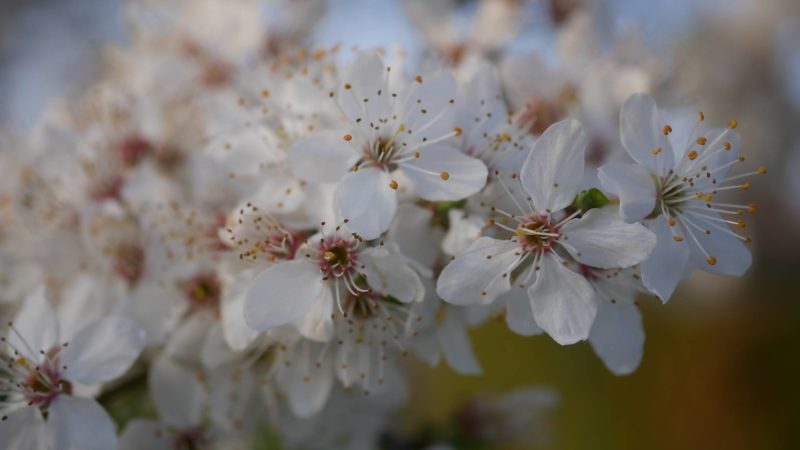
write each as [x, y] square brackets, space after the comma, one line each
[203, 291]
[339, 257]
[43, 383]
[536, 234]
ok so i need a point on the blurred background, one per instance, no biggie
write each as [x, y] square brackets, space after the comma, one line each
[722, 358]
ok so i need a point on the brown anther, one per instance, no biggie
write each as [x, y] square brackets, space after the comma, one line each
[667, 130]
[656, 151]
[444, 175]
[726, 146]
[701, 116]
[692, 155]
[702, 140]
[416, 155]
[746, 185]
[711, 260]
[733, 124]
[348, 86]
[393, 184]
[677, 238]
[265, 93]
[348, 138]
[762, 170]
[418, 79]
[457, 131]
[752, 208]
[741, 224]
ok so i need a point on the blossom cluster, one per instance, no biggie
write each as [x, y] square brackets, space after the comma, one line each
[270, 237]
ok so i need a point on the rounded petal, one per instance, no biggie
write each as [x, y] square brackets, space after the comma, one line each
[36, 323]
[463, 231]
[178, 395]
[282, 294]
[23, 429]
[234, 327]
[444, 173]
[601, 239]
[634, 186]
[322, 157]
[366, 78]
[553, 170]
[141, 434]
[666, 266]
[423, 248]
[617, 335]
[456, 346]
[642, 134]
[306, 385]
[77, 423]
[365, 198]
[519, 314]
[731, 254]
[480, 274]
[388, 274]
[562, 301]
[103, 350]
[317, 324]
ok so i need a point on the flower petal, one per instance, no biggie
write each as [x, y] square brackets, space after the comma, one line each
[444, 173]
[142, 434]
[634, 186]
[389, 274]
[365, 198]
[322, 157]
[476, 277]
[306, 385]
[317, 324]
[553, 170]
[617, 335]
[364, 79]
[601, 239]
[456, 346]
[562, 301]
[36, 323]
[103, 350]
[282, 294]
[731, 254]
[178, 395]
[519, 315]
[642, 134]
[665, 267]
[23, 429]
[77, 423]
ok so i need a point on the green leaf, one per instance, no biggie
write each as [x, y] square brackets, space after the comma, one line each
[593, 198]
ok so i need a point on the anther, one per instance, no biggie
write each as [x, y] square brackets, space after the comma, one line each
[667, 130]
[762, 170]
[702, 140]
[711, 260]
[347, 137]
[692, 155]
[393, 184]
[444, 175]
[733, 124]
[656, 151]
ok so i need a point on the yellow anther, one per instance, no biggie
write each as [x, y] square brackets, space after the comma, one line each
[656, 151]
[733, 123]
[677, 238]
[505, 137]
[444, 175]
[348, 86]
[746, 185]
[265, 93]
[329, 255]
[702, 140]
[457, 131]
[726, 146]
[393, 184]
[741, 224]
[671, 221]
[416, 155]
[762, 170]
[752, 208]
[418, 79]
[692, 155]
[711, 260]
[348, 138]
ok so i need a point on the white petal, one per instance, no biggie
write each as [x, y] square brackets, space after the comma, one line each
[317, 324]
[389, 274]
[307, 387]
[23, 429]
[602, 239]
[617, 335]
[634, 186]
[553, 170]
[235, 330]
[282, 294]
[562, 301]
[731, 254]
[103, 350]
[463, 231]
[426, 109]
[472, 279]
[445, 173]
[80, 424]
[187, 339]
[365, 198]
[141, 434]
[36, 323]
[456, 346]
[405, 232]
[322, 157]
[519, 314]
[642, 133]
[177, 394]
[665, 267]
[362, 80]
